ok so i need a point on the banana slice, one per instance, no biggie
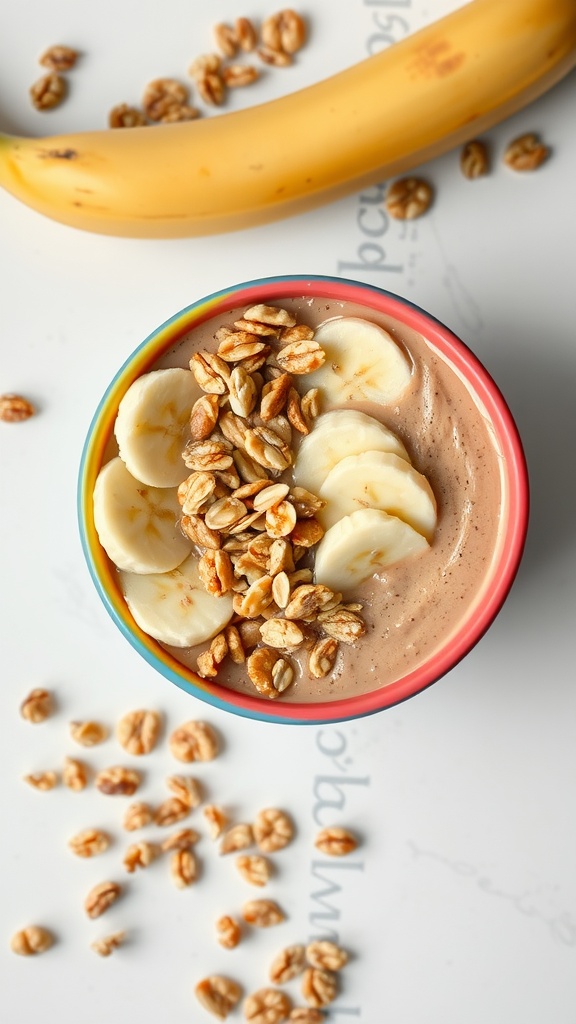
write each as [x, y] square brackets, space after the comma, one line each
[378, 480]
[152, 425]
[362, 544]
[363, 363]
[174, 607]
[336, 435]
[138, 525]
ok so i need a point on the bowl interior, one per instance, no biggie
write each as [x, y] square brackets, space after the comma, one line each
[505, 561]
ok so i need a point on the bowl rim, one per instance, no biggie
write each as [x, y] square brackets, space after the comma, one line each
[503, 570]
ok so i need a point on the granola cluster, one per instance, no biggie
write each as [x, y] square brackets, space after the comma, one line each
[254, 530]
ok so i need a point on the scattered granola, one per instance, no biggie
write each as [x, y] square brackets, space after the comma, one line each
[31, 940]
[59, 58]
[37, 706]
[162, 96]
[137, 815]
[254, 869]
[319, 987]
[267, 1006]
[89, 843]
[108, 943]
[125, 116]
[306, 1015]
[408, 198]
[42, 781]
[183, 868]
[228, 932]
[74, 774]
[101, 897]
[526, 153]
[183, 839]
[88, 734]
[273, 830]
[139, 855]
[216, 819]
[262, 913]
[326, 955]
[194, 741]
[218, 994]
[171, 811]
[48, 91]
[118, 781]
[186, 789]
[15, 408]
[137, 732]
[336, 841]
[474, 159]
[287, 964]
[237, 837]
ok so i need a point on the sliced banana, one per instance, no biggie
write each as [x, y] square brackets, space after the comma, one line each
[152, 425]
[174, 607]
[336, 435]
[362, 544]
[378, 480]
[363, 363]
[138, 525]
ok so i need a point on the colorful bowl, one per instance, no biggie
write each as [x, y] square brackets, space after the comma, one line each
[503, 567]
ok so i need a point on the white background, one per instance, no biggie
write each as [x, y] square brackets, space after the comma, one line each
[460, 904]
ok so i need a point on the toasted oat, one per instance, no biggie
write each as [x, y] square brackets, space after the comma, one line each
[42, 781]
[274, 315]
[210, 84]
[248, 468]
[287, 964]
[88, 734]
[89, 843]
[474, 159]
[48, 91]
[108, 943]
[274, 396]
[101, 897]
[259, 666]
[137, 731]
[31, 940]
[224, 513]
[408, 198]
[256, 599]
[161, 96]
[322, 657]
[526, 153]
[281, 633]
[74, 774]
[15, 409]
[209, 661]
[183, 868]
[139, 855]
[295, 414]
[216, 818]
[137, 815]
[277, 58]
[59, 58]
[208, 455]
[186, 789]
[326, 955]
[310, 405]
[308, 599]
[118, 781]
[37, 706]
[211, 372]
[237, 837]
[301, 357]
[226, 39]
[267, 1006]
[284, 31]
[183, 839]
[246, 34]
[281, 589]
[194, 741]
[254, 869]
[306, 503]
[273, 829]
[262, 913]
[228, 932]
[218, 994]
[238, 345]
[204, 416]
[342, 625]
[182, 112]
[336, 841]
[319, 988]
[235, 645]
[171, 811]
[281, 519]
[194, 492]
[123, 115]
[237, 75]
[195, 528]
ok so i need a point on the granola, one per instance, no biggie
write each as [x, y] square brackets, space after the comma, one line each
[262, 913]
[526, 153]
[183, 868]
[408, 198]
[218, 994]
[31, 940]
[267, 1006]
[228, 932]
[287, 964]
[273, 830]
[319, 987]
[118, 781]
[15, 408]
[101, 897]
[194, 741]
[254, 869]
[137, 732]
[139, 855]
[89, 843]
[336, 841]
[108, 943]
[37, 706]
[89, 733]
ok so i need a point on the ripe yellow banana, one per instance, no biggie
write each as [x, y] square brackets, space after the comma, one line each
[388, 114]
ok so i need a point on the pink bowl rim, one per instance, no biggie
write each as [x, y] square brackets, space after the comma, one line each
[464, 361]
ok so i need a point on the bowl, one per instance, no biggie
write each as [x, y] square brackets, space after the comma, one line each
[502, 561]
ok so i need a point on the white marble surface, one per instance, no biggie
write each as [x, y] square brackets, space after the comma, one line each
[460, 904]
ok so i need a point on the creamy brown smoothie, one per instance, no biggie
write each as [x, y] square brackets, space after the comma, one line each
[412, 607]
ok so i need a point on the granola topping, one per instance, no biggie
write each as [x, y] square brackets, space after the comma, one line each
[183, 868]
[43, 781]
[59, 58]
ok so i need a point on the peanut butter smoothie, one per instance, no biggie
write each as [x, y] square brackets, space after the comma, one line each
[303, 500]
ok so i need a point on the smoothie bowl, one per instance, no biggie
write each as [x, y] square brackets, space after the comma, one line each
[303, 500]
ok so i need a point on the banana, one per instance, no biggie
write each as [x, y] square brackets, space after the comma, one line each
[363, 363]
[378, 480]
[335, 435]
[362, 544]
[151, 425]
[395, 110]
[137, 525]
[174, 607]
